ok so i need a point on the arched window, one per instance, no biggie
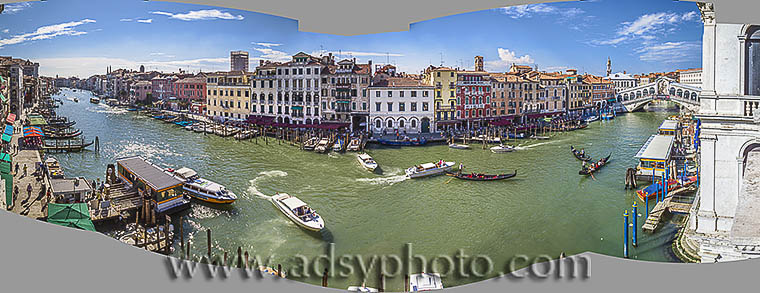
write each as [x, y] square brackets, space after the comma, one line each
[378, 124]
[414, 123]
[389, 123]
[401, 124]
[753, 61]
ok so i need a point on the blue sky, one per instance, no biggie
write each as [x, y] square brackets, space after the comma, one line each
[83, 37]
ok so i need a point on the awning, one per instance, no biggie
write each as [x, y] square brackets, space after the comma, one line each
[75, 215]
[6, 138]
[4, 157]
[8, 129]
[33, 131]
[2, 97]
[11, 118]
[36, 120]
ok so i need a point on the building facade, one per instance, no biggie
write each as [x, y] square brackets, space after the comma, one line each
[298, 90]
[228, 95]
[692, 77]
[345, 95]
[264, 87]
[444, 80]
[474, 95]
[401, 105]
[190, 89]
[141, 91]
[239, 61]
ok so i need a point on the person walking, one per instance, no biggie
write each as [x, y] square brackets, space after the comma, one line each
[16, 172]
[29, 190]
[25, 171]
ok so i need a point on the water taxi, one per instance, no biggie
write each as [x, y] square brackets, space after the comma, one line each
[367, 162]
[94, 100]
[425, 282]
[310, 143]
[202, 189]
[298, 212]
[322, 145]
[354, 145]
[592, 118]
[500, 149]
[361, 288]
[338, 146]
[429, 169]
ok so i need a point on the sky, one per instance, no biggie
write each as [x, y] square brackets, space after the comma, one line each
[83, 37]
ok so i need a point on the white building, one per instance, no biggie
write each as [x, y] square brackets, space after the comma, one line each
[725, 226]
[692, 77]
[298, 87]
[622, 80]
[400, 104]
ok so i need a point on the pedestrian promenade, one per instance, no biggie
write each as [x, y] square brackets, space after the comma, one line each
[28, 204]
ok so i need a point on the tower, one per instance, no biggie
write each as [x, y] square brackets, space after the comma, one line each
[609, 66]
[478, 63]
[142, 68]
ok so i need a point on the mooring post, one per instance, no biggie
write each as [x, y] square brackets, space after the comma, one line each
[635, 226]
[646, 201]
[279, 270]
[324, 278]
[240, 257]
[181, 239]
[208, 243]
[625, 234]
[382, 282]
[406, 283]
[246, 259]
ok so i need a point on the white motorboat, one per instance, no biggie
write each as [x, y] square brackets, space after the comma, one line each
[539, 137]
[429, 169]
[210, 129]
[502, 149]
[592, 119]
[298, 212]
[361, 288]
[198, 128]
[425, 282]
[202, 189]
[338, 145]
[367, 162]
[310, 143]
[322, 145]
[354, 145]
[459, 146]
[189, 127]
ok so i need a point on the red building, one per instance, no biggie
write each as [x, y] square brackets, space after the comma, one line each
[191, 89]
[474, 95]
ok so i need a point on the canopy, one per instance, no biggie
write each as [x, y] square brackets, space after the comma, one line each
[4, 157]
[11, 117]
[36, 120]
[75, 215]
[2, 97]
[33, 131]
[8, 129]
[292, 202]
[6, 138]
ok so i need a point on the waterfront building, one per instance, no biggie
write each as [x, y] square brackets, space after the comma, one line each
[621, 81]
[444, 80]
[474, 95]
[401, 103]
[691, 77]
[142, 92]
[298, 84]
[576, 99]
[239, 61]
[264, 87]
[345, 96]
[602, 90]
[161, 86]
[228, 95]
[190, 89]
[15, 75]
[547, 93]
[724, 224]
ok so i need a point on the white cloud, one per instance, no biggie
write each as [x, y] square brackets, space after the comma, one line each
[670, 52]
[207, 14]
[506, 58]
[126, 19]
[16, 7]
[648, 27]
[47, 32]
[268, 45]
[86, 66]
[6, 30]
[149, 20]
[345, 54]
[539, 9]
[273, 55]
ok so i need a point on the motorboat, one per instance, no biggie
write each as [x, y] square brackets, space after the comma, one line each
[367, 162]
[354, 145]
[267, 271]
[322, 145]
[198, 128]
[338, 146]
[459, 146]
[425, 282]
[429, 169]
[53, 168]
[502, 149]
[361, 288]
[310, 143]
[298, 212]
[542, 137]
[592, 118]
[202, 189]
[94, 100]
[189, 127]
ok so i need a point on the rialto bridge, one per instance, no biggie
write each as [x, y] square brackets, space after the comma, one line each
[663, 88]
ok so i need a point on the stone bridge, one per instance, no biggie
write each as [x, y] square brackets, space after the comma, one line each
[635, 98]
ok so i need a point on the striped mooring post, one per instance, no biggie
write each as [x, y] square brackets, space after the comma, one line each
[646, 202]
[625, 234]
[635, 226]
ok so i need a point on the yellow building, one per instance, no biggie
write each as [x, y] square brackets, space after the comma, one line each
[444, 80]
[228, 95]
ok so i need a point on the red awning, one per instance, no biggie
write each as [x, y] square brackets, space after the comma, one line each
[11, 118]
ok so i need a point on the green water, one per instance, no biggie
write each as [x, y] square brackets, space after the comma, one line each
[547, 209]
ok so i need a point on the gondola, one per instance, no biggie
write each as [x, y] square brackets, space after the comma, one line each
[599, 164]
[579, 156]
[482, 177]
[58, 135]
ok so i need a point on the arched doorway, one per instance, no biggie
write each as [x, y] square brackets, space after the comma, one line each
[425, 125]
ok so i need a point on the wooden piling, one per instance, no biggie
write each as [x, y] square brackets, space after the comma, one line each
[406, 283]
[324, 278]
[208, 243]
[181, 239]
[279, 271]
[240, 257]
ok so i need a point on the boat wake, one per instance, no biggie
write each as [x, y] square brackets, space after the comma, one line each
[253, 188]
[522, 147]
[105, 109]
[390, 180]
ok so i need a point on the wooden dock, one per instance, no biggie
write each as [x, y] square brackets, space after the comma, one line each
[121, 201]
[669, 205]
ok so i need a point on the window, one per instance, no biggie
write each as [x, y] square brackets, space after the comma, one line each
[424, 106]
[377, 94]
[377, 108]
[390, 124]
[401, 123]
[414, 106]
[401, 94]
[753, 61]
[414, 94]
[401, 106]
[390, 94]
[425, 93]
[390, 107]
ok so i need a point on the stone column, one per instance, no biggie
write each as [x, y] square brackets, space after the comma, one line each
[706, 217]
[708, 57]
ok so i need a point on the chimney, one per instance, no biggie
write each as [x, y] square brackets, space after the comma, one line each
[478, 63]
[261, 62]
[354, 60]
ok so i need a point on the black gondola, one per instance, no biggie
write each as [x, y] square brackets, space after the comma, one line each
[60, 135]
[579, 156]
[482, 177]
[599, 164]
[61, 125]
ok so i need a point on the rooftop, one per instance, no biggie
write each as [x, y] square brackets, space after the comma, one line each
[151, 174]
[657, 147]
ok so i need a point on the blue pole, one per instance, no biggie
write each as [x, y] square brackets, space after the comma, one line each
[625, 235]
[646, 200]
[635, 226]
[665, 191]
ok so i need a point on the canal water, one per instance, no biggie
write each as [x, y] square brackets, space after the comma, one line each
[547, 209]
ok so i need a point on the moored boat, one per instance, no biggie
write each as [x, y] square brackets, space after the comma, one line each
[429, 169]
[656, 189]
[403, 142]
[361, 288]
[592, 118]
[203, 189]
[354, 145]
[459, 146]
[310, 143]
[482, 177]
[367, 162]
[94, 100]
[298, 212]
[338, 146]
[322, 145]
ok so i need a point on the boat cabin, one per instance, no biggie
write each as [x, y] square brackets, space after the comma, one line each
[163, 189]
[298, 207]
[186, 173]
[668, 127]
[70, 190]
[654, 156]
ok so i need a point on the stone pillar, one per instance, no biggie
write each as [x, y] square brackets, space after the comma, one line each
[708, 54]
[706, 217]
